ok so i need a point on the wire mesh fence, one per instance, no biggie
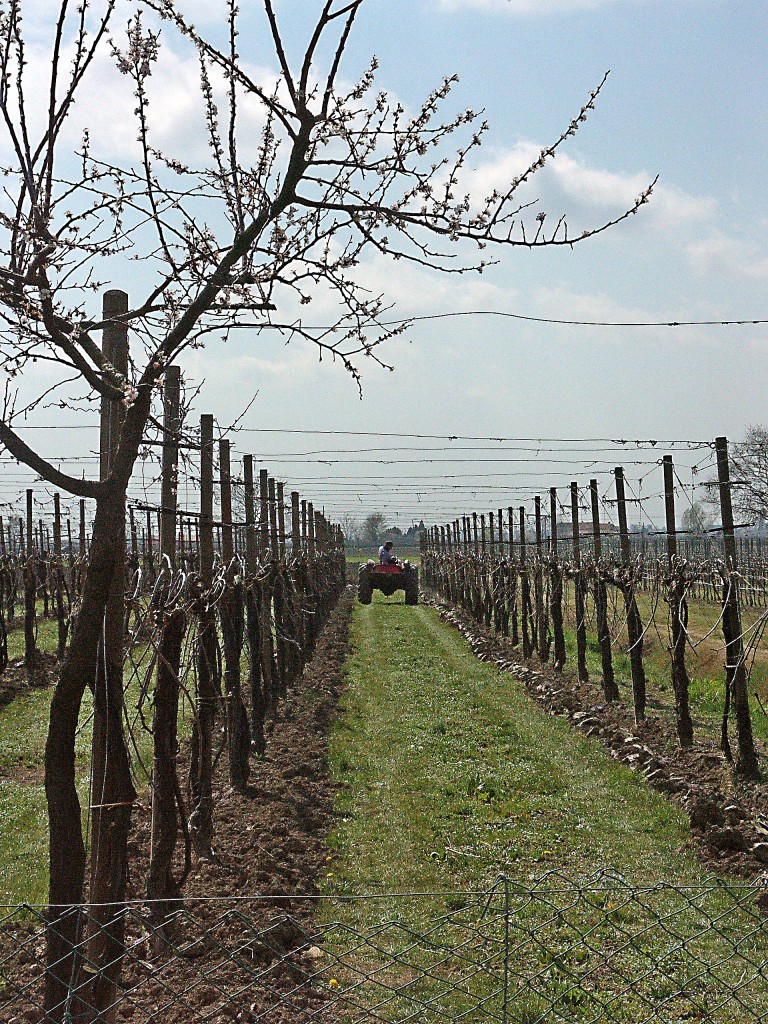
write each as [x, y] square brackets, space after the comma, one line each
[600, 950]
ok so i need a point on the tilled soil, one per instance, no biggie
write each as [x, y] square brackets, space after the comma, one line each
[242, 946]
[728, 815]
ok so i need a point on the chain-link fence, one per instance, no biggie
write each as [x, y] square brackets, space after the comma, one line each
[551, 950]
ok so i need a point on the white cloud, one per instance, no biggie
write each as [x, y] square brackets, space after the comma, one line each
[720, 254]
[571, 186]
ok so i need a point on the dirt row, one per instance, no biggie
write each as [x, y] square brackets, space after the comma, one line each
[244, 944]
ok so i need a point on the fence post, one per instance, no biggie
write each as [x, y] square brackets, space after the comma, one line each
[634, 622]
[201, 759]
[170, 462]
[253, 613]
[579, 588]
[538, 585]
[678, 610]
[736, 673]
[525, 590]
[30, 590]
[112, 793]
[161, 884]
[58, 578]
[232, 617]
[556, 587]
[610, 689]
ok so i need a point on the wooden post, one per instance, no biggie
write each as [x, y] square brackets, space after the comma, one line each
[579, 589]
[678, 612]
[201, 754]
[259, 696]
[30, 589]
[555, 587]
[263, 512]
[206, 500]
[281, 518]
[231, 617]
[538, 586]
[295, 525]
[311, 530]
[58, 578]
[225, 492]
[610, 689]
[525, 590]
[634, 622]
[112, 792]
[161, 883]
[170, 463]
[736, 673]
[272, 512]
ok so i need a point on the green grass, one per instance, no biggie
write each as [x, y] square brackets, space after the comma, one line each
[23, 815]
[47, 638]
[705, 663]
[450, 776]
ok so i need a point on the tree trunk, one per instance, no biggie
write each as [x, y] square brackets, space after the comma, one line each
[580, 604]
[610, 689]
[161, 885]
[231, 613]
[678, 608]
[635, 636]
[556, 614]
[253, 636]
[201, 754]
[66, 845]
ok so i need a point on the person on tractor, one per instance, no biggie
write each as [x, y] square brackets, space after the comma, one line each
[385, 554]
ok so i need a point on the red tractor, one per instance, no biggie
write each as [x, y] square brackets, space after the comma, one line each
[387, 578]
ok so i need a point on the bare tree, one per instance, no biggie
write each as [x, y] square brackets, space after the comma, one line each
[750, 474]
[696, 518]
[238, 242]
[372, 528]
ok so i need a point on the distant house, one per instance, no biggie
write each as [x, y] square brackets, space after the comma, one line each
[565, 530]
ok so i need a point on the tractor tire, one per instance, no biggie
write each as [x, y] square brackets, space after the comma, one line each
[364, 585]
[412, 586]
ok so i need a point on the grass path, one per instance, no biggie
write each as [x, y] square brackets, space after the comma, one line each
[451, 775]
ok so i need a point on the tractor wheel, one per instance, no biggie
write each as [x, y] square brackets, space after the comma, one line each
[412, 586]
[364, 585]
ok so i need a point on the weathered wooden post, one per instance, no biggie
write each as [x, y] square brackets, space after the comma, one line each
[58, 579]
[579, 588]
[634, 622]
[162, 886]
[112, 791]
[555, 587]
[678, 611]
[525, 590]
[538, 585]
[232, 617]
[208, 689]
[253, 613]
[30, 589]
[610, 689]
[735, 668]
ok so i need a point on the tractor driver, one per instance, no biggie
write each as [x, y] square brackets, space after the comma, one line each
[385, 554]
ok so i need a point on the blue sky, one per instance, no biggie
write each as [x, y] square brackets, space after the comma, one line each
[686, 99]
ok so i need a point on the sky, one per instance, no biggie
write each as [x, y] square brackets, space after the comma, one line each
[685, 100]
